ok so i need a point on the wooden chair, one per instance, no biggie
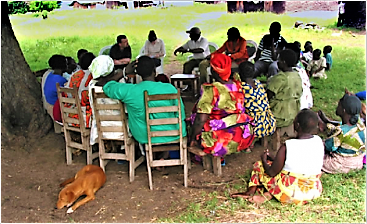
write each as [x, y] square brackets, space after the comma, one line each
[72, 106]
[210, 162]
[127, 141]
[178, 145]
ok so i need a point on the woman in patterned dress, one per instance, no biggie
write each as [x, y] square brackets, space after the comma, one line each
[256, 102]
[221, 125]
[293, 176]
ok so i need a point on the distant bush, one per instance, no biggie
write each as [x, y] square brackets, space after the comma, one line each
[16, 7]
[39, 6]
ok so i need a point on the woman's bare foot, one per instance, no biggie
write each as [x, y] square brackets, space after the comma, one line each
[249, 193]
[259, 199]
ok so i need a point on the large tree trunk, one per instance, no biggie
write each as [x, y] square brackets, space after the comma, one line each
[22, 113]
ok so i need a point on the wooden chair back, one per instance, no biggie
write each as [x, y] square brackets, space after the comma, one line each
[180, 144]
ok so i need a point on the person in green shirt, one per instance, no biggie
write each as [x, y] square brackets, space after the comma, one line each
[284, 90]
[133, 97]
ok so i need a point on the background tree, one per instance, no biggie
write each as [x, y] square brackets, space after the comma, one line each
[22, 113]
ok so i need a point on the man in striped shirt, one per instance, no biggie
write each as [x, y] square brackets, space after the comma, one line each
[268, 50]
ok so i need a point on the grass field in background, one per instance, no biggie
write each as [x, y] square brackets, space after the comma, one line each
[64, 32]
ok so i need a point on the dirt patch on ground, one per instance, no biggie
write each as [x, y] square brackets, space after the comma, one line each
[30, 179]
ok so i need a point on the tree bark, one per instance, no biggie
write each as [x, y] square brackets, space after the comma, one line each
[22, 113]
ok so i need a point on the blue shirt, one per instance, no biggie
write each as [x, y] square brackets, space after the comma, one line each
[361, 95]
[329, 60]
[50, 87]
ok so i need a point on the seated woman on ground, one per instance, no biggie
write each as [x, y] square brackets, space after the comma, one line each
[345, 148]
[220, 124]
[306, 98]
[293, 176]
[284, 90]
[80, 80]
[256, 102]
[58, 64]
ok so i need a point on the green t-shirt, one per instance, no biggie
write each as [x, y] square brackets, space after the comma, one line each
[285, 105]
[133, 97]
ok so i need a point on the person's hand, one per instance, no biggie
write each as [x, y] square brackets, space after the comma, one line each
[264, 156]
[193, 143]
[157, 56]
[349, 93]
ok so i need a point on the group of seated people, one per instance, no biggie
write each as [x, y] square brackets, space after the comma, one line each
[235, 110]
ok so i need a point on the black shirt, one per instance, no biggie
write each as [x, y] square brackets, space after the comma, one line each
[116, 53]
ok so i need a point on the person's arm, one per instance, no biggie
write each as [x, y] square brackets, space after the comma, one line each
[242, 52]
[183, 49]
[259, 50]
[198, 125]
[116, 90]
[323, 65]
[222, 49]
[162, 52]
[270, 94]
[277, 164]
[203, 44]
[146, 48]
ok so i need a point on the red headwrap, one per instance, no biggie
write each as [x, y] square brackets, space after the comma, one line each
[221, 64]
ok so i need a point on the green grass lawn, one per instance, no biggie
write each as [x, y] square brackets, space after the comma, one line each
[64, 32]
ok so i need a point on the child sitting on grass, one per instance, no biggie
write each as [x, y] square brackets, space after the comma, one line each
[327, 54]
[307, 53]
[316, 68]
[293, 175]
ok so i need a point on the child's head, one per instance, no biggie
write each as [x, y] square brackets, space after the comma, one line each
[308, 48]
[298, 44]
[58, 62]
[294, 47]
[275, 29]
[316, 54]
[306, 121]
[71, 66]
[327, 49]
[80, 53]
[287, 59]
[267, 40]
[86, 60]
[247, 70]
[307, 43]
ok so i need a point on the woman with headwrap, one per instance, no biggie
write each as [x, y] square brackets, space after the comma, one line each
[220, 124]
[345, 148]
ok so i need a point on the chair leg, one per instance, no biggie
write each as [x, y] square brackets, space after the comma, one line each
[131, 163]
[185, 167]
[189, 161]
[69, 156]
[101, 155]
[57, 128]
[147, 154]
[88, 148]
[217, 167]
[207, 163]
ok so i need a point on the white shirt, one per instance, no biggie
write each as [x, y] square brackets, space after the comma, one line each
[202, 43]
[157, 48]
[304, 156]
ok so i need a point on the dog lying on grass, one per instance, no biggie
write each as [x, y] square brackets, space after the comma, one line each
[86, 182]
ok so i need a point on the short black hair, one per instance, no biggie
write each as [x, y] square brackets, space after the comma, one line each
[145, 66]
[247, 70]
[298, 44]
[275, 27]
[316, 52]
[307, 43]
[120, 37]
[289, 56]
[233, 33]
[86, 60]
[152, 36]
[57, 61]
[294, 47]
[267, 40]
[81, 52]
[307, 120]
[328, 49]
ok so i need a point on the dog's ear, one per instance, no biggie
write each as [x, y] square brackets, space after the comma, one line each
[70, 196]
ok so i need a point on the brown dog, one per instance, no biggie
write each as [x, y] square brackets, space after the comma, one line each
[86, 182]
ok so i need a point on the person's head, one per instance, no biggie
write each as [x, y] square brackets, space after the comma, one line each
[195, 33]
[275, 29]
[246, 70]
[267, 41]
[145, 67]
[221, 67]
[308, 48]
[294, 47]
[233, 34]
[58, 62]
[327, 49]
[80, 53]
[86, 60]
[101, 66]
[298, 44]
[122, 41]
[349, 107]
[316, 54]
[71, 65]
[306, 122]
[152, 36]
[287, 59]
[306, 44]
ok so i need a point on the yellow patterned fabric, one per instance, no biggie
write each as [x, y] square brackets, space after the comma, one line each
[257, 106]
[287, 187]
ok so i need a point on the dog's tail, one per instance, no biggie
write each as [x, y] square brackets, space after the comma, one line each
[68, 181]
